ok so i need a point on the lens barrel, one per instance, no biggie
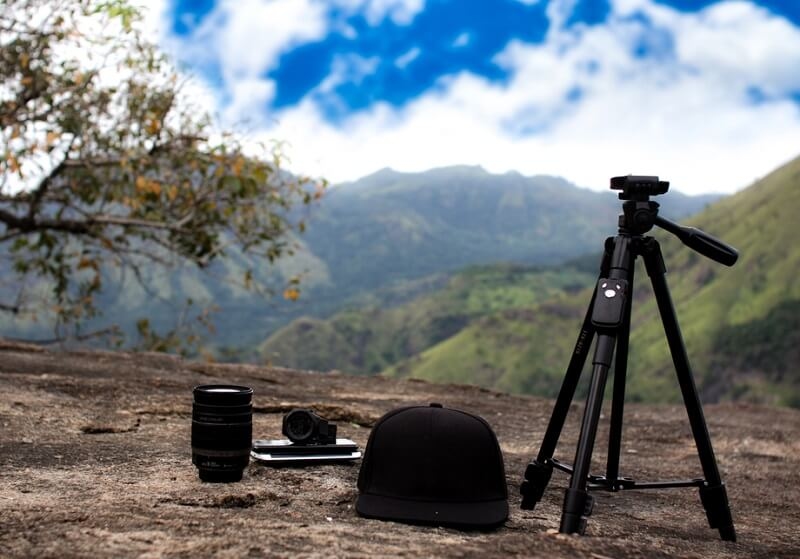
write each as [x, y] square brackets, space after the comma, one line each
[222, 431]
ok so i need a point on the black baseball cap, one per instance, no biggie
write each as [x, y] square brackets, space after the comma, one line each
[433, 465]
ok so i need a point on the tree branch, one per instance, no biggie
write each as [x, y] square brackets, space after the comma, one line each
[13, 309]
[28, 225]
[177, 227]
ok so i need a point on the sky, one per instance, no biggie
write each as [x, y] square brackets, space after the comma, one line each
[703, 93]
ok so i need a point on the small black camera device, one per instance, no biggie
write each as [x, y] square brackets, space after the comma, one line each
[304, 427]
[311, 439]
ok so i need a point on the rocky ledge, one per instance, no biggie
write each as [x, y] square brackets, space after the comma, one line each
[95, 461]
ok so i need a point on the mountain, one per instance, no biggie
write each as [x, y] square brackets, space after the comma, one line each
[391, 226]
[386, 230]
[741, 324]
[394, 228]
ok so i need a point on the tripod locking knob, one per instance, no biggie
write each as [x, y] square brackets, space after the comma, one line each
[609, 303]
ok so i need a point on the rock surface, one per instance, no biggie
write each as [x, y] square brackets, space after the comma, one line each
[95, 461]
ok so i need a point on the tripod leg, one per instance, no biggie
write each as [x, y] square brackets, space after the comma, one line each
[620, 377]
[577, 501]
[608, 316]
[538, 472]
[713, 494]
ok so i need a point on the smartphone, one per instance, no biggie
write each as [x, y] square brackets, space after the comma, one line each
[285, 451]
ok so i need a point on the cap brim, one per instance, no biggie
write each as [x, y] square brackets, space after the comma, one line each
[473, 516]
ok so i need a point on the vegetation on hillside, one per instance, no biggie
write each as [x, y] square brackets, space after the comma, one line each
[737, 321]
[367, 340]
[740, 324]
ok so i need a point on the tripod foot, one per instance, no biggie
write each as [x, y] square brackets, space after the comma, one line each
[577, 507]
[537, 476]
[718, 511]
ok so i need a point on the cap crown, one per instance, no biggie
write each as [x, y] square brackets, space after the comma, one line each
[433, 454]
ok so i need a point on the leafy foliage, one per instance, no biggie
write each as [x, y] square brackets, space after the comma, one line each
[105, 162]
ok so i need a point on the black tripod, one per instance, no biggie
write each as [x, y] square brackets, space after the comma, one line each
[609, 317]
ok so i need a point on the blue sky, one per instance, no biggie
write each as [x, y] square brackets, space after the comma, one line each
[704, 93]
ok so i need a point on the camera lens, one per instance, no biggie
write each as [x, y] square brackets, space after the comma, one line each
[299, 426]
[222, 431]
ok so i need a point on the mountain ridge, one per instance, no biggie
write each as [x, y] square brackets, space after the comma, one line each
[526, 349]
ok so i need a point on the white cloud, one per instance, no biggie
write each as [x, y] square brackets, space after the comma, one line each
[558, 12]
[401, 12]
[462, 40]
[258, 32]
[749, 47]
[244, 39]
[347, 68]
[249, 97]
[407, 58]
[684, 115]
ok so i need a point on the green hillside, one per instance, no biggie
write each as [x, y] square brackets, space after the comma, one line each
[368, 339]
[741, 324]
[516, 350]
[397, 229]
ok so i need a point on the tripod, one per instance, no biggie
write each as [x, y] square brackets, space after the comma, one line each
[609, 318]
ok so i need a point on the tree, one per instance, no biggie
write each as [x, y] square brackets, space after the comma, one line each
[105, 162]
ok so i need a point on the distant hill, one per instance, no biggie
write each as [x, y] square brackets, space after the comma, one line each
[741, 324]
[371, 338]
[388, 230]
[392, 226]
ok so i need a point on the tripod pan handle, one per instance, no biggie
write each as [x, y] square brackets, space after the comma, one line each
[700, 241]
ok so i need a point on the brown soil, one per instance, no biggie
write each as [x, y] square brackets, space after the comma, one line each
[95, 461]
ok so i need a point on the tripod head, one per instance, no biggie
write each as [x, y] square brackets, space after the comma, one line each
[638, 188]
[640, 214]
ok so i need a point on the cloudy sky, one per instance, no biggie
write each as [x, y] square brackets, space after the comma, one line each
[704, 93]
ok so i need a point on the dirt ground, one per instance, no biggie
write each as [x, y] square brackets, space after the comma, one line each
[95, 461]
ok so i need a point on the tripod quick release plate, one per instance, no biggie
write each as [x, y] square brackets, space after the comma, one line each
[609, 303]
[639, 188]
